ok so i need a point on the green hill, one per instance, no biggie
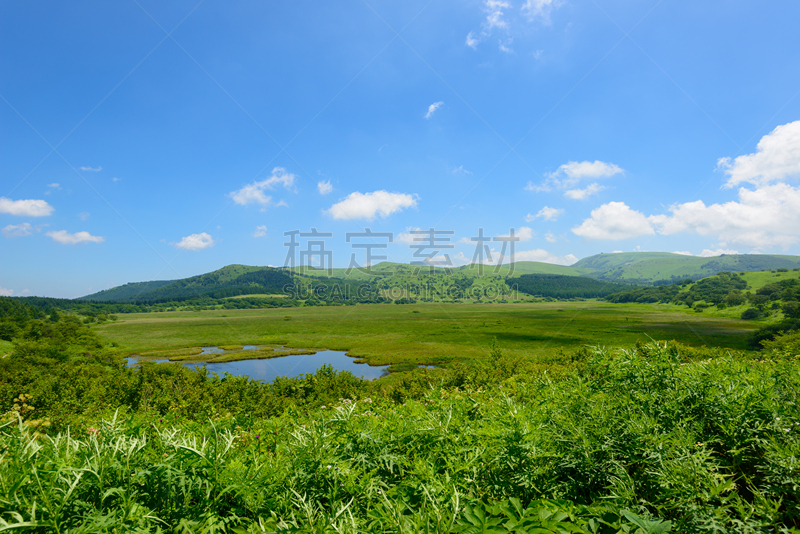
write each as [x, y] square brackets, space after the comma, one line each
[654, 267]
[226, 282]
[639, 268]
[129, 290]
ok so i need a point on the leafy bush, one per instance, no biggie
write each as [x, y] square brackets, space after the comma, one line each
[751, 313]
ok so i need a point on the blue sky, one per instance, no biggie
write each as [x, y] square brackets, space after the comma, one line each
[146, 141]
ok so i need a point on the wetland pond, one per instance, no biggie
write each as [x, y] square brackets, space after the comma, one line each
[286, 366]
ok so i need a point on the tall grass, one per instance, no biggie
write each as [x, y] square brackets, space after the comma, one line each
[638, 440]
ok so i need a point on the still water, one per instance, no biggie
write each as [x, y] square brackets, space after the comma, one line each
[290, 366]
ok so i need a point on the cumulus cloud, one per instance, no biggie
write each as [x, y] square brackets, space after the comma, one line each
[539, 10]
[19, 230]
[683, 252]
[471, 41]
[580, 194]
[254, 193]
[550, 237]
[575, 171]
[25, 208]
[369, 205]
[408, 238]
[570, 174]
[195, 242]
[546, 213]
[614, 221]
[92, 169]
[261, 231]
[432, 109]
[719, 252]
[765, 217]
[6, 292]
[524, 234]
[65, 238]
[542, 255]
[776, 158]
[324, 187]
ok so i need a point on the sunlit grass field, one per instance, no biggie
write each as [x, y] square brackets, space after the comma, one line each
[431, 333]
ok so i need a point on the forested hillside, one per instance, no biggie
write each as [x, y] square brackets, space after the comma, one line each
[564, 287]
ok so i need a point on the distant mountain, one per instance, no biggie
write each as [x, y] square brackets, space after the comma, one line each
[642, 268]
[647, 268]
[229, 281]
[128, 291]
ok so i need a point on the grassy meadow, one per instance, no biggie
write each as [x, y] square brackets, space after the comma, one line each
[431, 333]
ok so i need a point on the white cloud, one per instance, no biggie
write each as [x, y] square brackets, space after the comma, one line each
[776, 158]
[97, 169]
[504, 48]
[65, 238]
[494, 14]
[580, 194]
[719, 252]
[324, 187]
[539, 9]
[254, 193]
[408, 238]
[570, 174]
[471, 41]
[6, 292]
[432, 109]
[542, 255]
[261, 231]
[535, 188]
[461, 170]
[682, 252]
[19, 230]
[368, 205]
[614, 221]
[550, 237]
[546, 213]
[54, 185]
[575, 171]
[25, 208]
[524, 234]
[196, 242]
[115, 179]
[765, 217]
[83, 215]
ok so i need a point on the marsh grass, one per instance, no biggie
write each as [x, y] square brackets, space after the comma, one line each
[439, 334]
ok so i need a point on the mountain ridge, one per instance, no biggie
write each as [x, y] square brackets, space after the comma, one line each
[640, 268]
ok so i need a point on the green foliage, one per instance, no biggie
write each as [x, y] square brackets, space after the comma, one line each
[751, 313]
[640, 440]
[564, 287]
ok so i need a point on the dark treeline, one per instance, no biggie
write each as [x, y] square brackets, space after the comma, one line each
[564, 287]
